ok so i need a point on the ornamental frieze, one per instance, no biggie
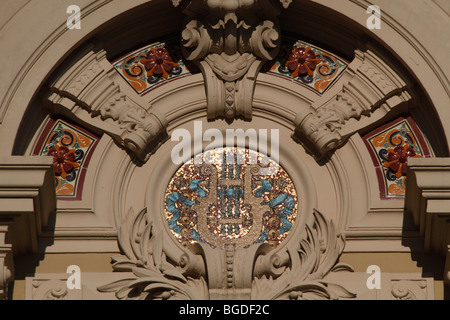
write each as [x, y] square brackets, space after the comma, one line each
[223, 235]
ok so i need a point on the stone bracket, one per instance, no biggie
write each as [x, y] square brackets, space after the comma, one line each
[372, 91]
[230, 41]
[91, 92]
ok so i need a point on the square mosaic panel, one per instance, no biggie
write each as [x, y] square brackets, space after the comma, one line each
[390, 147]
[71, 148]
[153, 65]
[327, 66]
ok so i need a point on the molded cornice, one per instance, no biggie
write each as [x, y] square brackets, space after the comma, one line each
[27, 199]
[428, 200]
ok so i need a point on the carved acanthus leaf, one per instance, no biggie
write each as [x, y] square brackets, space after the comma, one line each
[156, 276]
[308, 263]
[161, 274]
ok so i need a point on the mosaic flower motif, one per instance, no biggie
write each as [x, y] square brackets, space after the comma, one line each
[397, 159]
[63, 160]
[302, 61]
[158, 62]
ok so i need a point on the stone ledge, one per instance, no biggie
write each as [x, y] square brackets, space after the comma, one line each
[428, 200]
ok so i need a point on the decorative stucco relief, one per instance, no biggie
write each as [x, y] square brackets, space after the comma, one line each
[230, 41]
[372, 91]
[230, 46]
[91, 93]
[223, 235]
[160, 272]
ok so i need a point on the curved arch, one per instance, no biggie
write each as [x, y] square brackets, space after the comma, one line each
[87, 89]
[97, 25]
[388, 72]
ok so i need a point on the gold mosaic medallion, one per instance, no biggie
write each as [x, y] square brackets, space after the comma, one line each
[225, 196]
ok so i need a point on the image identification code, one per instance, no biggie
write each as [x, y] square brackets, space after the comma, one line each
[236, 309]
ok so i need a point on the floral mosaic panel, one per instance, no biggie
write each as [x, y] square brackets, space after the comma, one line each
[229, 202]
[161, 62]
[71, 148]
[152, 65]
[390, 147]
[306, 65]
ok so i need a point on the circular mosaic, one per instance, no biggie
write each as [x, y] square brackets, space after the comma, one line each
[231, 196]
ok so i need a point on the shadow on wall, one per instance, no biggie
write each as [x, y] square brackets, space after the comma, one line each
[431, 263]
[25, 264]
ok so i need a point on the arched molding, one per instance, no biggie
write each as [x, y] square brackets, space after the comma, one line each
[327, 159]
[413, 53]
[98, 13]
[49, 46]
[92, 93]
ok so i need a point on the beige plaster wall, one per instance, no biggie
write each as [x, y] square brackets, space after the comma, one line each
[401, 262]
[56, 263]
[100, 262]
[429, 16]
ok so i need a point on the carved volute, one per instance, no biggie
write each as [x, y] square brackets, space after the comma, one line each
[230, 41]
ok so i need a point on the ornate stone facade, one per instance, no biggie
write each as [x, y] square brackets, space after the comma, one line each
[91, 120]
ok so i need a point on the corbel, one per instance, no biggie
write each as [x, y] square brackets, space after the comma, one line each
[91, 93]
[371, 89]
[230, 40]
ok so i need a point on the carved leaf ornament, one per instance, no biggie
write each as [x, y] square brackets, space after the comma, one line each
[229, 51]
[157, 277]
[154, 276]
[313, 258]
[257, 266]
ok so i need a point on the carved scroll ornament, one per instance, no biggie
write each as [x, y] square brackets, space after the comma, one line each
[258, 271]
[158, 274]
[91, 92]
[373, 90]
[230, 41]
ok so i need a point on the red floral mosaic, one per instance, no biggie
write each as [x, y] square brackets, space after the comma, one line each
[390, 147]
[71, 148]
